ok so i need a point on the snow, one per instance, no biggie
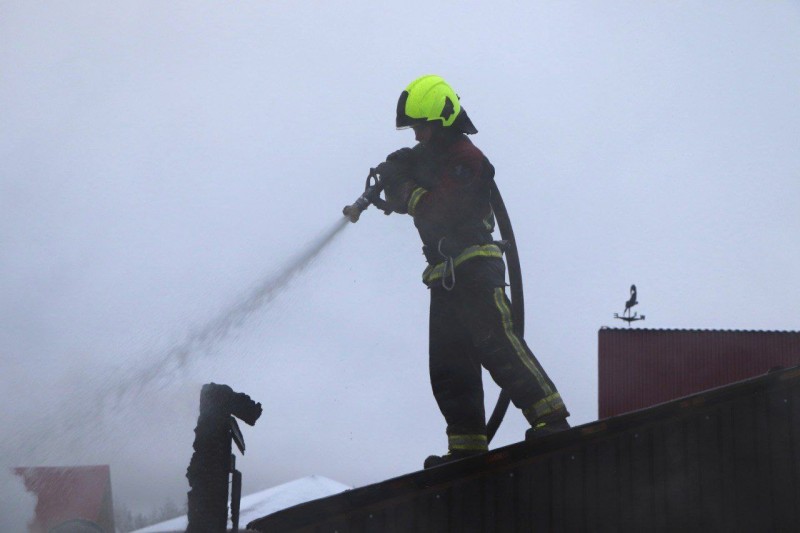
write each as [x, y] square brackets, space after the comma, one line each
[265, 502]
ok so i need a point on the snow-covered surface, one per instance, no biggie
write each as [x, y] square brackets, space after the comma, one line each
[265, 502]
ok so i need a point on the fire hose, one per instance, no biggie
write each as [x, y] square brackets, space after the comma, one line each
[371, 196]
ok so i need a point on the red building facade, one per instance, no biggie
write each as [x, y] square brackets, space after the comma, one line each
[639, 368]
[74, 498]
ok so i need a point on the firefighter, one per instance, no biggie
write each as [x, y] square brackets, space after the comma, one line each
[444, 183]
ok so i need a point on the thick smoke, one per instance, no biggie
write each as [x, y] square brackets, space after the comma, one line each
[69, 429]
[16, 505]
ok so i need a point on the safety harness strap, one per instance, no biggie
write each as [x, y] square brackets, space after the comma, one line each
[435, 272]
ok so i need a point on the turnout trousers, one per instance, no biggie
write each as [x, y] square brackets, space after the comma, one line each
[471, 327]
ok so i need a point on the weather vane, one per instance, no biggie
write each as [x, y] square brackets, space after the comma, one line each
[626, 315]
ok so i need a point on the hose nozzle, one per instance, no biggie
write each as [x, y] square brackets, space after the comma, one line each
[371, 195]
[353, 211]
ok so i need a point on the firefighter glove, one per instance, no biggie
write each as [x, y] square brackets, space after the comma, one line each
[403, 155]
[397, 184]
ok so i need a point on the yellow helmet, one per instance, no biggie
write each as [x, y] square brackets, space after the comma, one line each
[429, 99]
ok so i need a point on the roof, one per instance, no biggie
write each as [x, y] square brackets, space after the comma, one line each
[723, 459]
[265, 502]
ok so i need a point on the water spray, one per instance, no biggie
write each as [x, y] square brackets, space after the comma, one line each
[121, 388]
[210, 334]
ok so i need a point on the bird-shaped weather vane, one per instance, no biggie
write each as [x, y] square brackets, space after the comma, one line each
[626, 315]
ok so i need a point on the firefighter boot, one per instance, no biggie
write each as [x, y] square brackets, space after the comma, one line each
[436, 460]
[543, 429]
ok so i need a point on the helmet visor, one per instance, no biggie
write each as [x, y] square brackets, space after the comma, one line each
[404, 121]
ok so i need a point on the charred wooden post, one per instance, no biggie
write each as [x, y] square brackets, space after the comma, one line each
[212, 462]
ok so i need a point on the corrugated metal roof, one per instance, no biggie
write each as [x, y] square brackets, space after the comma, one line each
[722, 460]
[638, 368]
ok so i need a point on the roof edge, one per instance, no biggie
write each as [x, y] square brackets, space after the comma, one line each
[696, 330]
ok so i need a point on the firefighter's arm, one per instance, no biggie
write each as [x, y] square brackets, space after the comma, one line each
[396, 176]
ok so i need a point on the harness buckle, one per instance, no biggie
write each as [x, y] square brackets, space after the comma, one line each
[449, 269]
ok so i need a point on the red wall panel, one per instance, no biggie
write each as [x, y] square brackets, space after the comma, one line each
[643, 367]
[67, 494]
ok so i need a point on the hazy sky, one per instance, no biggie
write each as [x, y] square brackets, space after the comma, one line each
[160, 160]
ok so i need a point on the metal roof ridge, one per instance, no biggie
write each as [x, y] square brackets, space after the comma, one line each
[709, 330]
